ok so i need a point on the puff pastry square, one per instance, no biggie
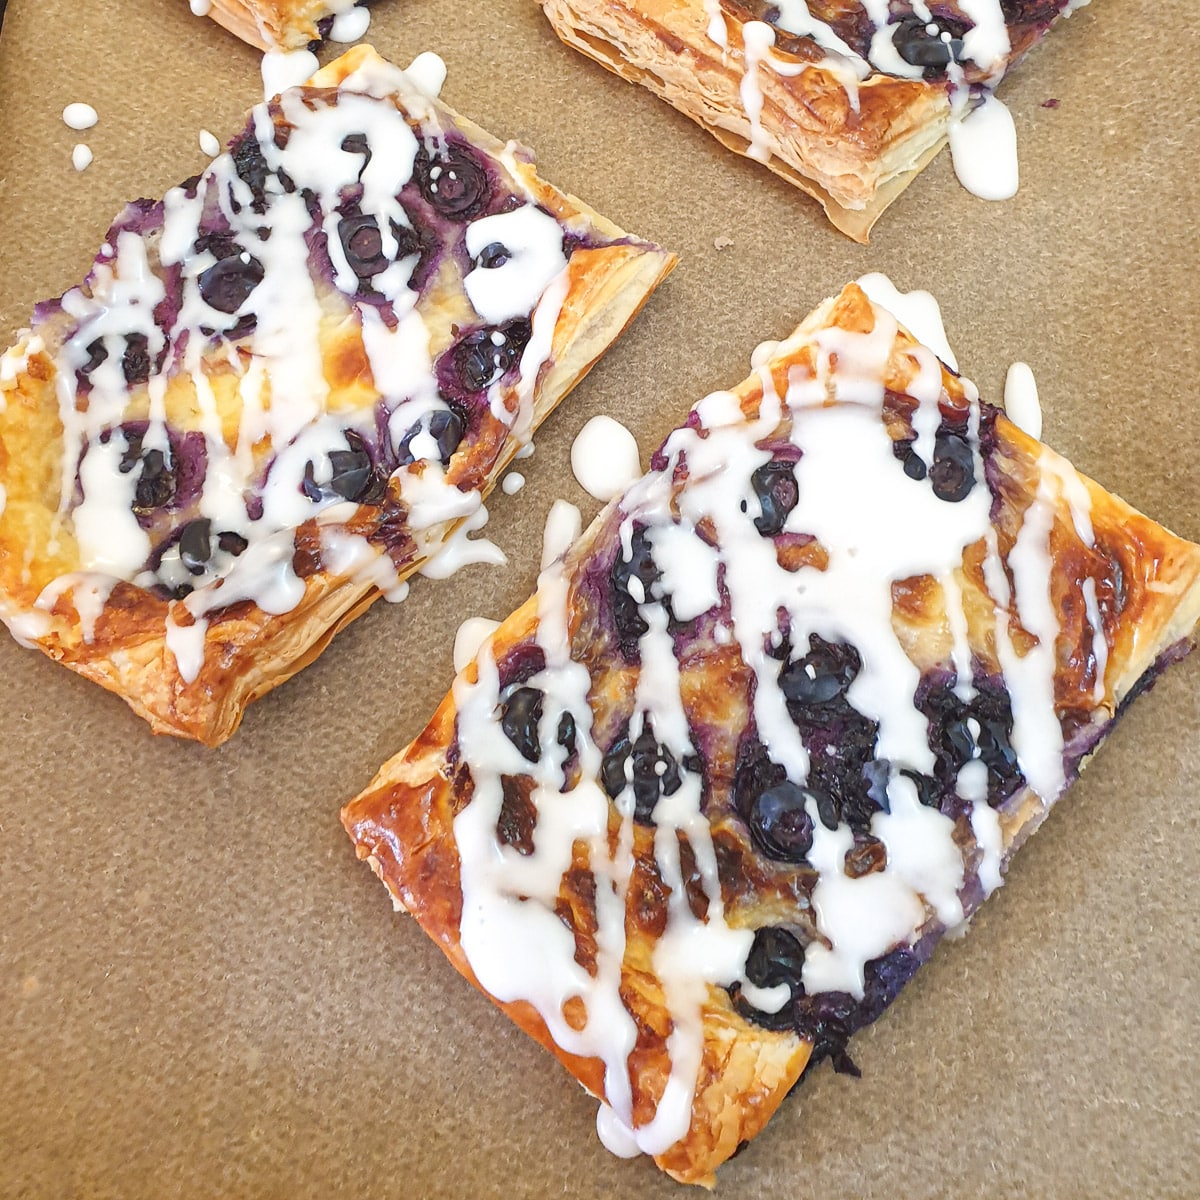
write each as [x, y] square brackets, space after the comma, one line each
[280, 24]
[778, 720]
[282, 387]
[846, 99]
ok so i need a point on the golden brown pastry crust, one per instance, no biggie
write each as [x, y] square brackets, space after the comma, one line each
[853, 148]
[272, 24]
[1146, 605]
[249, 651]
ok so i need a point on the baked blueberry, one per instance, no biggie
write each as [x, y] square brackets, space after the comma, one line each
[822, 675]
[519, 719]
[446, 428]
[486, 355]
[453, 180]
[779, 822]
[156, 483]
[953, 470]
[630, 583]
[135, 363]
[931, 45]
[350, 472]
[774, 484]
[195, 545]
[227, 284]
[493, 255]
[251, 168]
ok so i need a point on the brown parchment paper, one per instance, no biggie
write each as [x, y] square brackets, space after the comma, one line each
[202, 994]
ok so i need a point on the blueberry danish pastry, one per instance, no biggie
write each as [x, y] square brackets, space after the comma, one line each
[704, 804]
[847, 99]
[283, 386]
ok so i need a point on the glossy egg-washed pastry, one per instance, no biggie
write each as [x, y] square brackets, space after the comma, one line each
[777, 721]
[283, 386]
[847, 99]
[279, 24]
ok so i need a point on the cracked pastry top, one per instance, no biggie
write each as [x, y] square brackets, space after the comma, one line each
[284, 385]
[846, 99]
[777, 721]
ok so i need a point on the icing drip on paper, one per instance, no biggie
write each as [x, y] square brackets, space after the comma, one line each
[701, 535]
[1021, 399]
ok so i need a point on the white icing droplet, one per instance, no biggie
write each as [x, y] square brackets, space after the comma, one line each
[81, 157]
[472, 633]
[427, 73]
[200, 8]
[615, 1135]
[605, 458]
[79, 116]
[209, 144]
[512, 483]
[283, 69]
[983, 145]
[350, 25]
[1021, 399]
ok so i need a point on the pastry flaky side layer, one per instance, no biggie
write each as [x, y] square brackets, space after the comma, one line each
[282, 388]
[279, 24]
[847, 99]
[701, 807]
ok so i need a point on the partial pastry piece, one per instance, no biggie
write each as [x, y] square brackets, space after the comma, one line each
[286, 24]
[282, 387]
[776, 722]
[847, 99]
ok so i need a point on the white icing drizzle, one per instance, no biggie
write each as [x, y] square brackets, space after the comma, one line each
[283, 69]
[877, 524]
[605, 458]
[209, 144]
[918, 311]
[79, 116]
[471, 635]
[103, 465]
[200, 8]
[1021, 399]
[512, 483]
[82, 157]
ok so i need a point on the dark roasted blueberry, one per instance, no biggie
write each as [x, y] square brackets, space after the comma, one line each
[959, 738]
[351, 472]
[877, 774]
[779, 823]
[156, 484]
[917, 45]
[486, 355]
[775, 957]
[97, 352]
[362, 244]
[446, 428]
[927, 789]
[914, 464]
[356, 143]
[453, 180]
[232, 542]
[195, 545]
[953, 470]
[251, 168]
[567, 733]
[612, 766]
[775, 486]
[519, 719]
[135, 364]
[493, 255]
[655, 774]
[627, 595]
[227, 284]
[822, 675]
[996, 748]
